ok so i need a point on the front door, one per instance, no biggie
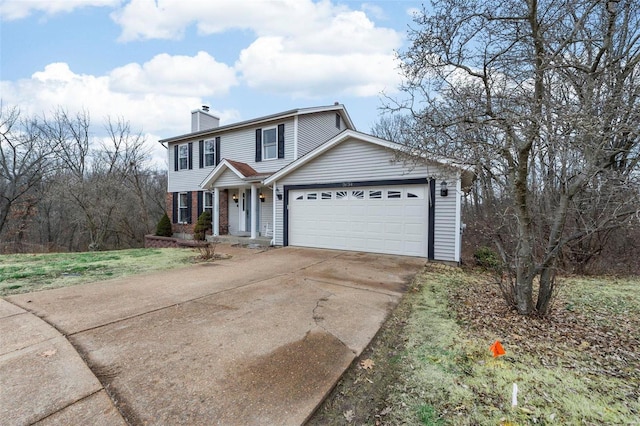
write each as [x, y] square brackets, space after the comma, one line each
[247, 213]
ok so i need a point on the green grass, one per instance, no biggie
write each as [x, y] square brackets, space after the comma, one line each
[21, 273]
[448, 375]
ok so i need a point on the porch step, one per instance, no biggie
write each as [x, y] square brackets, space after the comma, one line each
[245, 241]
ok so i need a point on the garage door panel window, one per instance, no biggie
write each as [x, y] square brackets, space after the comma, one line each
[359, 195]
[326, 195]
[312, 196]
[341, 195]
[394, 194]
[375, 195]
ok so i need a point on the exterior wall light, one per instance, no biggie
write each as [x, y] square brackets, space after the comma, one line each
[443, 189]
[278, 194]
[261, 196]
[235, 198]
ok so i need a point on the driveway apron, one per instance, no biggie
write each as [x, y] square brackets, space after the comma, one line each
[258, 339]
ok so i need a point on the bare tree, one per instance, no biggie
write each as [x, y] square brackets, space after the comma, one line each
[542, 96]
[25, 158]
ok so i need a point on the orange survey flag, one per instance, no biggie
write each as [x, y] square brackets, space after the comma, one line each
[497, 349]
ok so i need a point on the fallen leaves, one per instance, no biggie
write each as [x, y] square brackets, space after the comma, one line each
[367, 364]
[349, 415]
[49, 353]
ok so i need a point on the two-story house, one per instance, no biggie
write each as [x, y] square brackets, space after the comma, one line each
[306, 177]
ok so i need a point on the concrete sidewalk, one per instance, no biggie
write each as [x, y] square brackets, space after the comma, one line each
[258, 339]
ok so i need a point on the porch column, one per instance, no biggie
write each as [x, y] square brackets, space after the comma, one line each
[254, 210]
[216, 212]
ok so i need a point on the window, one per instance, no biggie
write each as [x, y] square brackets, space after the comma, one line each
[341, 195]
[183, 208]
[312, 196]
[411, 195]
[338, 125]
[394, 194]
[358, 194]
[269, 144]
[208, 203]
[375, 194]
[325, 195]
[300, 197]
[210, 153]
[183, 157]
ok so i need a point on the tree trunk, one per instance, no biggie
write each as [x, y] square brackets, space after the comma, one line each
[545, 293]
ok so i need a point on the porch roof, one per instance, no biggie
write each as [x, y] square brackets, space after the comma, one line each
[244, 173]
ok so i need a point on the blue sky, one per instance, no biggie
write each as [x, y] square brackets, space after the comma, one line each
[153, 61]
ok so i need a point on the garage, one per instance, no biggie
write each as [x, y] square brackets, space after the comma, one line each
[356, 193]
[380, 219]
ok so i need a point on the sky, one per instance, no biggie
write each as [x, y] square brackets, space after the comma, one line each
[152, 62]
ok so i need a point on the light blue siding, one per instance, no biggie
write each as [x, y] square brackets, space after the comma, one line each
[316, 129]
[237, 145]
[354, 160]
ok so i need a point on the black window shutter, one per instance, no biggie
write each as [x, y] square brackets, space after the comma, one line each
[190, 159]
[201, 153]
[258, 145]
[280, 140]
[200, 195]
[189, 212]
[174, 216]
[217, 150]
[175, 158]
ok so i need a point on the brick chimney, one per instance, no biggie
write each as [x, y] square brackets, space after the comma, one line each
[202, 119]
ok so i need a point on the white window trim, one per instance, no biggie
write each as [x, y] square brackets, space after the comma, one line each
[181, 219]
[276, 143]
[186, 156]
[212, 153]
[204, 202]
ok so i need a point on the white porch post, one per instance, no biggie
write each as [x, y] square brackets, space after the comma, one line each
[216, 212]
[254, 210]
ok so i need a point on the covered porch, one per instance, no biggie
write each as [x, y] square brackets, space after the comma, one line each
[249, 203]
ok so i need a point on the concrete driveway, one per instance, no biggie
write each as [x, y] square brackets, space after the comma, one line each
[258, 339]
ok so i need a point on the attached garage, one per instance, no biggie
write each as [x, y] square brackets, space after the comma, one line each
[375, 218]
[352, 193]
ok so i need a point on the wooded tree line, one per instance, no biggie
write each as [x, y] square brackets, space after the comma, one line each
[63, 189]
[541, 99]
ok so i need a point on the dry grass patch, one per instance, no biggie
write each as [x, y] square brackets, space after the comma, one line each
[433, 365]
[22, 273]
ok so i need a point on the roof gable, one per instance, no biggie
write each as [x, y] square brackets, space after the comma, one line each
[338, 139]
[243, 171]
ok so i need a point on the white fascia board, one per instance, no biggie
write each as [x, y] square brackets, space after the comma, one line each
[215, 173]
[258, 121]
[336, 140]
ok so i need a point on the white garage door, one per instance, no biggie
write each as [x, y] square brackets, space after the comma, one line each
[387, 219]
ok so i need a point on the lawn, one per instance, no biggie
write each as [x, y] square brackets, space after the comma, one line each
[21, 273]
[433, 365]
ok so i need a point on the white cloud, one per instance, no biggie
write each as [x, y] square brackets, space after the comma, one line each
[156, 111]
[199, 75]
[268, 66]
[374, 10]
[302, 48]
[18, 9]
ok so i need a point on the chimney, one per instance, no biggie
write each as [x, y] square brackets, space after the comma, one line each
[202, 119]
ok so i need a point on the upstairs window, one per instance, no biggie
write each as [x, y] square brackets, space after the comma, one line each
[183, 157]
[210, 153]
[269, 144]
